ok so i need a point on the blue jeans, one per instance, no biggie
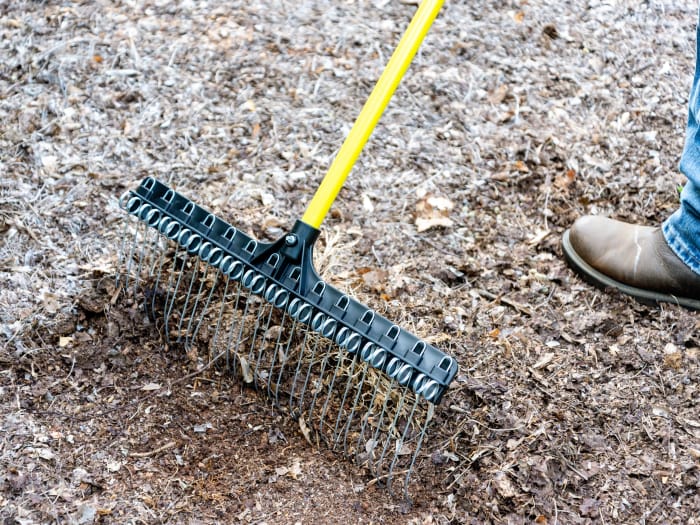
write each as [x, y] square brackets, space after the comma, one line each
[682, 229]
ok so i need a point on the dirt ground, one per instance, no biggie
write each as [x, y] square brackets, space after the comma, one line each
[571, 405]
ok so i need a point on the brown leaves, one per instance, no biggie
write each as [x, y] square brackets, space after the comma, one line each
[387, 283]
[504, 486]
[498, 95]
[564, 180]
[589, 507]
[374, 278]
[673, 357]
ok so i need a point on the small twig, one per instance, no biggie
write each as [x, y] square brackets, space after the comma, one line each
[386, 476]
[165, 447]
[508, 302]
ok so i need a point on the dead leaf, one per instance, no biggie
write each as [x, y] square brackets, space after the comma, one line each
[376, 279]
[266, 198]
[370, 445]
[426, 224]
[149, 387]
[405, 449]
[498, 95]
[271, 222]
[521, 167]
[305, 430]
[551, 31]
[589, 507]
[673, 358]
[565, 180]
[367, 203]
[439, 203]
[64, 341]
[295, 470]
[538, 237]
[543, 361]
[433, 211]
[201, 429]
[660, 412]
[503, 485]
[42, 452]
[245, 370]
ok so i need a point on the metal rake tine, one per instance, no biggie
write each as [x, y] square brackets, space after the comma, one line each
[295, 377]
[292, 333]
[276, 299]
[183, 311]
[241, 323]
[141, 255]
[341, 356]
[202, 283]
[365, 419]
[391, 429]
[172, 291]
[264, 307]
[419, 443]
[277, 347]
[122, 258]
[151, 250]
[374, 440]
[401, 441]
[234, 320]
[229, 279]
[205, 308]
[308, 372]
[351, 416]
[156, 284]
[321, 373]
[348, 386]
[130, 257]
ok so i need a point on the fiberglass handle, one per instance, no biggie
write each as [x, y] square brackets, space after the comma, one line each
[371, 112]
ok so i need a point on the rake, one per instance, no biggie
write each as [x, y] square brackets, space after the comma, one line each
[356, 382]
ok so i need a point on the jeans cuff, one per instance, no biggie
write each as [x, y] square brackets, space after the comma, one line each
[675, 241]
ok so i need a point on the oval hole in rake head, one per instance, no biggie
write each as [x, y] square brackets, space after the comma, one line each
[133, 205]
[236, 270]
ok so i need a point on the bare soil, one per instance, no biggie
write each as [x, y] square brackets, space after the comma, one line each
[571, 405]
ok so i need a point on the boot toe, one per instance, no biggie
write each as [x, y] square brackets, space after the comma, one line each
[634, 259]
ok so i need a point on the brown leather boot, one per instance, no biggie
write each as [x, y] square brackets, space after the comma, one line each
[633, 259]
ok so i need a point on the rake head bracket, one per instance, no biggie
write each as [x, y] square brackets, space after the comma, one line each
[282, 273]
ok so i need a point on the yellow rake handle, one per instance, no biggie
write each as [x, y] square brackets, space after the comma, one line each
[372, 110]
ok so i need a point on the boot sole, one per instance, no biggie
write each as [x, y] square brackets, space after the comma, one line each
[600, 280]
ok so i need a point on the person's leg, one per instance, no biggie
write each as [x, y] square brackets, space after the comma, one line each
[682, 229]
[650, 264]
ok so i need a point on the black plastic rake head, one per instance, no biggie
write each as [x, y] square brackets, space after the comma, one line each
[282, 273]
